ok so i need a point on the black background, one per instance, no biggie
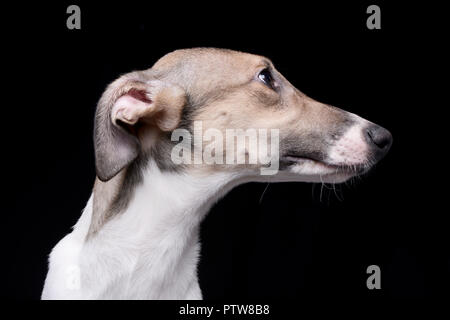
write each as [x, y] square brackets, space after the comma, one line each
[298, 239]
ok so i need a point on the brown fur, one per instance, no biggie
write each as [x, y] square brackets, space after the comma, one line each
[218, 87]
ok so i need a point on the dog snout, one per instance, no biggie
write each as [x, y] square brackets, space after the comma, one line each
[379, 140]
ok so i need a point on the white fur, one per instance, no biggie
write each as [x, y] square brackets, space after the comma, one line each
[150, 251]
[351, 148]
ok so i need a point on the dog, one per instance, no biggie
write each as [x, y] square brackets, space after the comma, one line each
[138, 236]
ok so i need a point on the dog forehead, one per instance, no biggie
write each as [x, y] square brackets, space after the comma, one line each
[209, 61]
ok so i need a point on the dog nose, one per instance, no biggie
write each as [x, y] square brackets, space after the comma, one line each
[379, 139]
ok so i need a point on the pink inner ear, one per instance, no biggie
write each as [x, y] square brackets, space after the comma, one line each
[132, 106]
[139, 95]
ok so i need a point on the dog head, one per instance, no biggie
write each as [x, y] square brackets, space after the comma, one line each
[223, 90]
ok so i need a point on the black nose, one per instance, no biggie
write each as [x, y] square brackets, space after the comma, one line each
[379, 139]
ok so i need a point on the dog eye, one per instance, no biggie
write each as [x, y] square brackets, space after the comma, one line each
[266, 77]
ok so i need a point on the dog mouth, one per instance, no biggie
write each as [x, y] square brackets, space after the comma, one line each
[351, 169]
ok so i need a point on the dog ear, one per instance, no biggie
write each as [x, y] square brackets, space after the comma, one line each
[130, 100]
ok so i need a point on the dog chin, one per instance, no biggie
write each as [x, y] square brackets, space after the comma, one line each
[317, 172]
[336, 178]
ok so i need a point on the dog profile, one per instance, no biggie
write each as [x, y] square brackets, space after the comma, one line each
[138, 236]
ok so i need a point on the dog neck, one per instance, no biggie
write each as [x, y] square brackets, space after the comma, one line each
[150, 250]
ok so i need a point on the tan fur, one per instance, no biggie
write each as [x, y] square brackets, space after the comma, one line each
[225, 84]
[104, 194]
